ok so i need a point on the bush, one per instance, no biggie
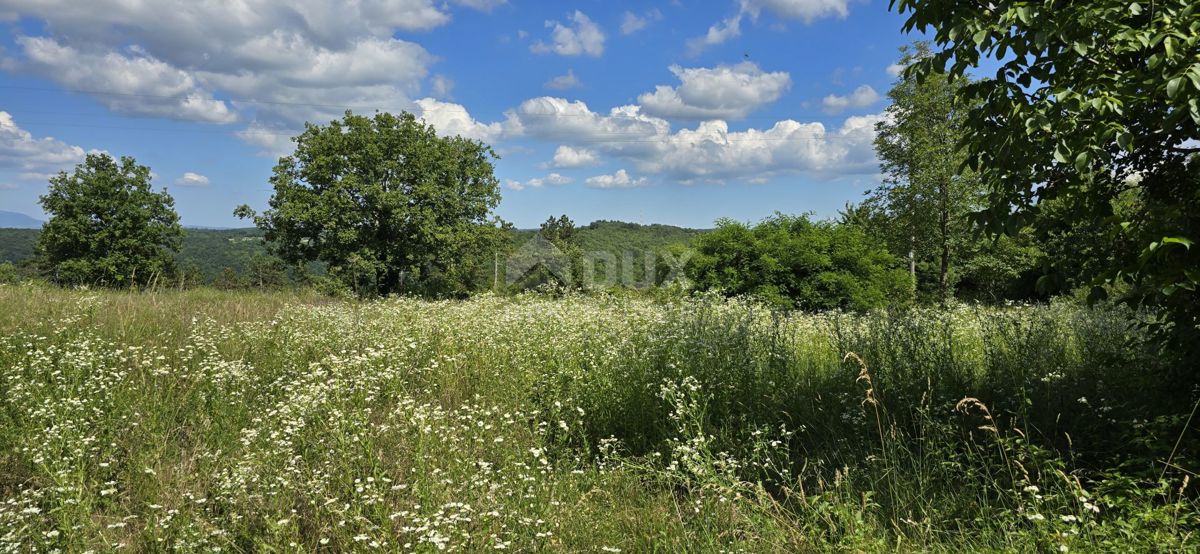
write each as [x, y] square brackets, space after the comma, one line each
[790, 261]
[9, 274]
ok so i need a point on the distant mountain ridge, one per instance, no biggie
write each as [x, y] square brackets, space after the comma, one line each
[16, 220]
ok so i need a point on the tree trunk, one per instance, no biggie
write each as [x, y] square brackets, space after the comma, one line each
[944, 224]
[912, 259]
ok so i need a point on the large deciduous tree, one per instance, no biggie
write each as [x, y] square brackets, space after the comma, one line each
[1091, 101]
[386, 203]
[925, 199]
[107, 225]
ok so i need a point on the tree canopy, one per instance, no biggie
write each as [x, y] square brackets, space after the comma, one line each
[924, 199]
[791, 261]
[386, 203]
[107, 225]
[1093, 103]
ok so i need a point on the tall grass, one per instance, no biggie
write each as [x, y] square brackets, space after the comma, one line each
[245, 422]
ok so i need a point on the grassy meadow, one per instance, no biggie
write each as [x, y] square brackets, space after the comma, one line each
[287, 422]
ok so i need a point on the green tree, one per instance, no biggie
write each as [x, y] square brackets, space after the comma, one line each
[108, 226]
[1091, 100]
[266, 271]
[925, 200]
[229, 279]
[386, 204]
[791, 261]
[9, 274]
[560, 231]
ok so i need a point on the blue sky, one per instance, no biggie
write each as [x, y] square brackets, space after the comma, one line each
[675, 112]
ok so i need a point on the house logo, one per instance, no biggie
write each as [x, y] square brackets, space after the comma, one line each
[537, 253]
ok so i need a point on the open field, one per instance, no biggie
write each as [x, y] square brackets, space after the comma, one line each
[210, 421]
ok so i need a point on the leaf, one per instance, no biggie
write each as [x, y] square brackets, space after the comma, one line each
[1061, 154]
[1178, 240]
[1135, 9]
[1125, 140]
[1023, 13]
[1173, 87]
[1082, 161]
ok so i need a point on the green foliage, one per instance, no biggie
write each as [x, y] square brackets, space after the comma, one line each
[618, 236]
[923, 204]
[214, 250]
[560, 231]
[17, 245]
[223, 256]
[1090, 100]
[107, 226]
[999, 268]
[620, 255]
[790, 261]
[552, 256]
[9, 274]
[386, 204]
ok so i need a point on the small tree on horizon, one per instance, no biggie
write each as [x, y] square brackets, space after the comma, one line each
[108, 226]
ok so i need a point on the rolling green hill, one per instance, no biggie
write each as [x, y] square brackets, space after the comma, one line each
[209, 251]
[212, 250]
[619, 236]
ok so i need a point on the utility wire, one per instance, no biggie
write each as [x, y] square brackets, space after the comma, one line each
[338, 107]
[834, 139]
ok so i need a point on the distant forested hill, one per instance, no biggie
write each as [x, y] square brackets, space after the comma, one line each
[209, 251]
[615, 236]
[212, 250]
[17, 244]
[619, 236]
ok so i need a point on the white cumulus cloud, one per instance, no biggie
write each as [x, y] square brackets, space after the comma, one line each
[632, 22]
[721, 92]
[711, 152]
[618, 180]
[803, 10]
[718, 33]
[566, 157]
[553, 179]
[274, 64]
[451, 119]
[190, 179]
[862, 97]
[33, 159]
[581, 37]
[564, 82]
[130, 82]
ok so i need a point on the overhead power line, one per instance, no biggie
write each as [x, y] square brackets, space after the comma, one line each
[342, 108]
[616, 140]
